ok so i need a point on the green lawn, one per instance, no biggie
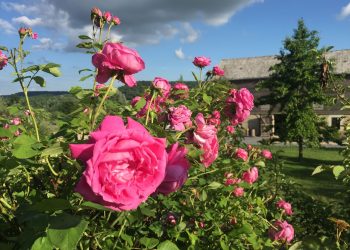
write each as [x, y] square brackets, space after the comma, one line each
[322, 186]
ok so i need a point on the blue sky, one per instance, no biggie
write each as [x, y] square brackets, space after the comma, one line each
[158, 28]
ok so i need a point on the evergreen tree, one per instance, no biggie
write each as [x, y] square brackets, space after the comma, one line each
[296, 83]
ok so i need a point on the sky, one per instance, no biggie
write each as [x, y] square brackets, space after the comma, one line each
[167, 34]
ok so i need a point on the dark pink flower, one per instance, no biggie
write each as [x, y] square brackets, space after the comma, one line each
[201, 61]
[116, 58]
[3, 60]
[124, 164]
[232, 181]
[180, 117]
[35, 35]
[266, 154]
[116, 20]
[217, 71]
[238, 105]
[182, 88]
[251, 175]
[162, 85]
[96, 12]
[16, 121]
[287, 207]
[176, 171]
[282, 231]
[242, 154]
[107, 16]
[230, 129]
[238, 192]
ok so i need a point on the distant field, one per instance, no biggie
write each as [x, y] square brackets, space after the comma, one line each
[322, 186]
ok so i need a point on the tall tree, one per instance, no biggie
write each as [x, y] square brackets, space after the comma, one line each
[296, 83]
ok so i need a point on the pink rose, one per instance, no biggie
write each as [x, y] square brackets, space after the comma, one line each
[155, 106]
[6, 126]
[282, 231]
[180, 117]
[116, 58]
[251, 175]
[232, 181]
[162, 85]
[238, 105]
[287, 207]
[238, 192]
[3, 60]
[214, 119]
[205, 136]
[96, 12]
[230, 129]
[124, 164]
[217, 71]
[16, 121]
[182, 88]
[35, 35]
[249, 147]
[116, 20]
[107, 16]
[266, 154]
[242, 154]
[201, 61]
[27, 112]
[176, 171]
[17, 133]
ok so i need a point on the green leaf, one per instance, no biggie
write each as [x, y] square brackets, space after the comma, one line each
[214, 185]
[337, 170]
[3, 48]
[318, 170]
[149, 242]
[51, 205]
[31, 68]
[140, 104]
[207, 98]
[66, 230]
[85, 77]
[85, 45]
[195, 76]
[42, 243]
[5, 133]
[89, 204]
[24, 152]
[82, 70]
[53, 150]
[24, 140]
[85, 37]
[167, 245]
[39, 80]
[52, 69]
[260, 164]
[148, 212]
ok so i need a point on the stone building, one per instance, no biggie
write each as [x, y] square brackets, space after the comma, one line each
[247, 72]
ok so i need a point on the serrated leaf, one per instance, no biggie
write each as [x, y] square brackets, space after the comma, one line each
[42, 243]
[40, 80]
[51, 205]
[148, 212]
[66, 230]
[207, 98]
[31, 68]
[5, 133]
[24, 152]
[24, 140]
[214, 185]
[54, 71]
[167, 245]
[85, 37]
[149, 243]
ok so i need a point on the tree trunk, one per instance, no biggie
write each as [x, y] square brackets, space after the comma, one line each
[300, 144]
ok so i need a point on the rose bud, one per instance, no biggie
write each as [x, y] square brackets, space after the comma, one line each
[266, 154]
[217, 71]
[3, 60]
[116, 20]
[238, 192]
[201, 61]
[96, 12]
[107, 16]
[242, 154]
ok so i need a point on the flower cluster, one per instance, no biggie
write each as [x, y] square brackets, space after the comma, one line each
[239, 103]
[23, 32]
[99, 18]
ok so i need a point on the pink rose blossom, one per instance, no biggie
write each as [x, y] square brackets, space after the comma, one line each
[16, 121]
[96, 12]
[35, 35]
[249, 147]
[214, 119]
[238, 192]
[116, 58]
[232, 181]
[180, 87]
[116, 20]
[6, 126]
[180, 118]
[266, 154]
[107, 16]
[282, 231]
[242, 154]
[176, 171]
[287, 207]
[230, 129]
[217, 71]
[162, 85]
[201, 61]
[124, 164]
[3, 60]
[251, 175]
[238, 105]
[205, 136]
[17, 133]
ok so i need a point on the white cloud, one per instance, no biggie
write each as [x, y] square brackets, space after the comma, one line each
[27, 21]
[20, 8]
[191, 34]
[180, 54]
[46, 43]
[345, 11]
[7, 27]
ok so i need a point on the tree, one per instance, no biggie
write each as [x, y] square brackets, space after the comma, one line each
[296, 83]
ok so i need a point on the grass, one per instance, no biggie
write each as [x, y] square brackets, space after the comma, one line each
[321, 186]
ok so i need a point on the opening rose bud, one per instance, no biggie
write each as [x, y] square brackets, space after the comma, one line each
[107, 16]
[286, 206]
[217, 71]
[22, 32]
[242, 154]
[251, 175]
[266, 154]
[238, 192]
[116, 20]
[3, 60]
[95, 12]
[201, 61]
[162, 85]
[35, 35]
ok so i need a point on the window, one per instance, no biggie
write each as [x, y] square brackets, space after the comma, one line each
[335, 122]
